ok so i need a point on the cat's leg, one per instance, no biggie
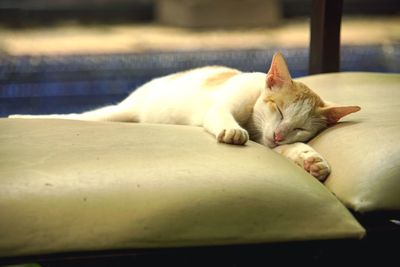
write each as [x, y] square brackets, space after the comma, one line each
[221, 123]
[108, 113]
[111, 113]
[307, 158]
[71, 116]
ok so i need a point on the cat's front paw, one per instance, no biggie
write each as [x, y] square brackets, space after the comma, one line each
[315, 165]
[236, 136]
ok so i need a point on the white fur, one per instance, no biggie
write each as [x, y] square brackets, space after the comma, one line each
[307, 158]
[233, 111]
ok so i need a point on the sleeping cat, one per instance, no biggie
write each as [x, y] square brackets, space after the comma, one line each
[234, 106]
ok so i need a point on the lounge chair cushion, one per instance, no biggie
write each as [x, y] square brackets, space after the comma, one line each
[80, 186]
[363, 150]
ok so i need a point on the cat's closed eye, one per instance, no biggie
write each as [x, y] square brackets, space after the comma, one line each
[299, 129]
[280, 112]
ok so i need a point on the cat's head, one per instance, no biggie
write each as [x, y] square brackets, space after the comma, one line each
[289, 112]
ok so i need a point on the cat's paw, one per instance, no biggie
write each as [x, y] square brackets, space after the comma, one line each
[237, 136]
[315, 164]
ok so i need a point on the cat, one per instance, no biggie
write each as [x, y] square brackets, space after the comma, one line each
[234, 106]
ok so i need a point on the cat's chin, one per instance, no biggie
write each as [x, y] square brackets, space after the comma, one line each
[269, 143]
[272, 145]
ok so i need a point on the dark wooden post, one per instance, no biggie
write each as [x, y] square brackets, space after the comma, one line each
[326, 16]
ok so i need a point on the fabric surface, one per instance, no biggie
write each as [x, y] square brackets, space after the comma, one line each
[79, 186]
[363, 150]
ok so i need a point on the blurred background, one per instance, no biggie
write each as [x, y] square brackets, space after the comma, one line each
[70, 55]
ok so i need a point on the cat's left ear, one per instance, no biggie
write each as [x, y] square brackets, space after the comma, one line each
[278, 74]
[334, 113]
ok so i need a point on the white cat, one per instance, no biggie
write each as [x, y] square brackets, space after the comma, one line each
[234, 106]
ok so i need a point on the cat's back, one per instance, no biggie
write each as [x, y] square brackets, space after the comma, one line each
[214, 78]
[203, 80]
[185, 97]
[209, 77]
[201, 84]
[194, 83]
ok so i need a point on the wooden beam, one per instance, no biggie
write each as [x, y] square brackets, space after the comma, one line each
[326, 16]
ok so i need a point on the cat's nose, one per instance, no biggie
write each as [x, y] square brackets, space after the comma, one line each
[278, 137]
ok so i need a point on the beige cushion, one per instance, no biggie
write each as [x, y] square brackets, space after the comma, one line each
[364, 150]
[71, 185]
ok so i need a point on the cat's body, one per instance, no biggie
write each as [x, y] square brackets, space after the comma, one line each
[270, 109]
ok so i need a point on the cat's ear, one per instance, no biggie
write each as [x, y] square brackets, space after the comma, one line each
[334, 113]
[278, 73]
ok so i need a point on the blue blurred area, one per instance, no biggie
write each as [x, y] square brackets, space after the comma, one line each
[65, 84]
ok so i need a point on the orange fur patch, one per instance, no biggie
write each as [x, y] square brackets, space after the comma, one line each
[271, 103]
[296, 92]
[220, 77]
[179, 74]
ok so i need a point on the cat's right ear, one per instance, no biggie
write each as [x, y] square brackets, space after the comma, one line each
[334, 113]
[278, 73]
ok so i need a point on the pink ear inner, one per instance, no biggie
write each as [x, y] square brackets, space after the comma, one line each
[335, 113]
[274, 80]
[278, 73]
